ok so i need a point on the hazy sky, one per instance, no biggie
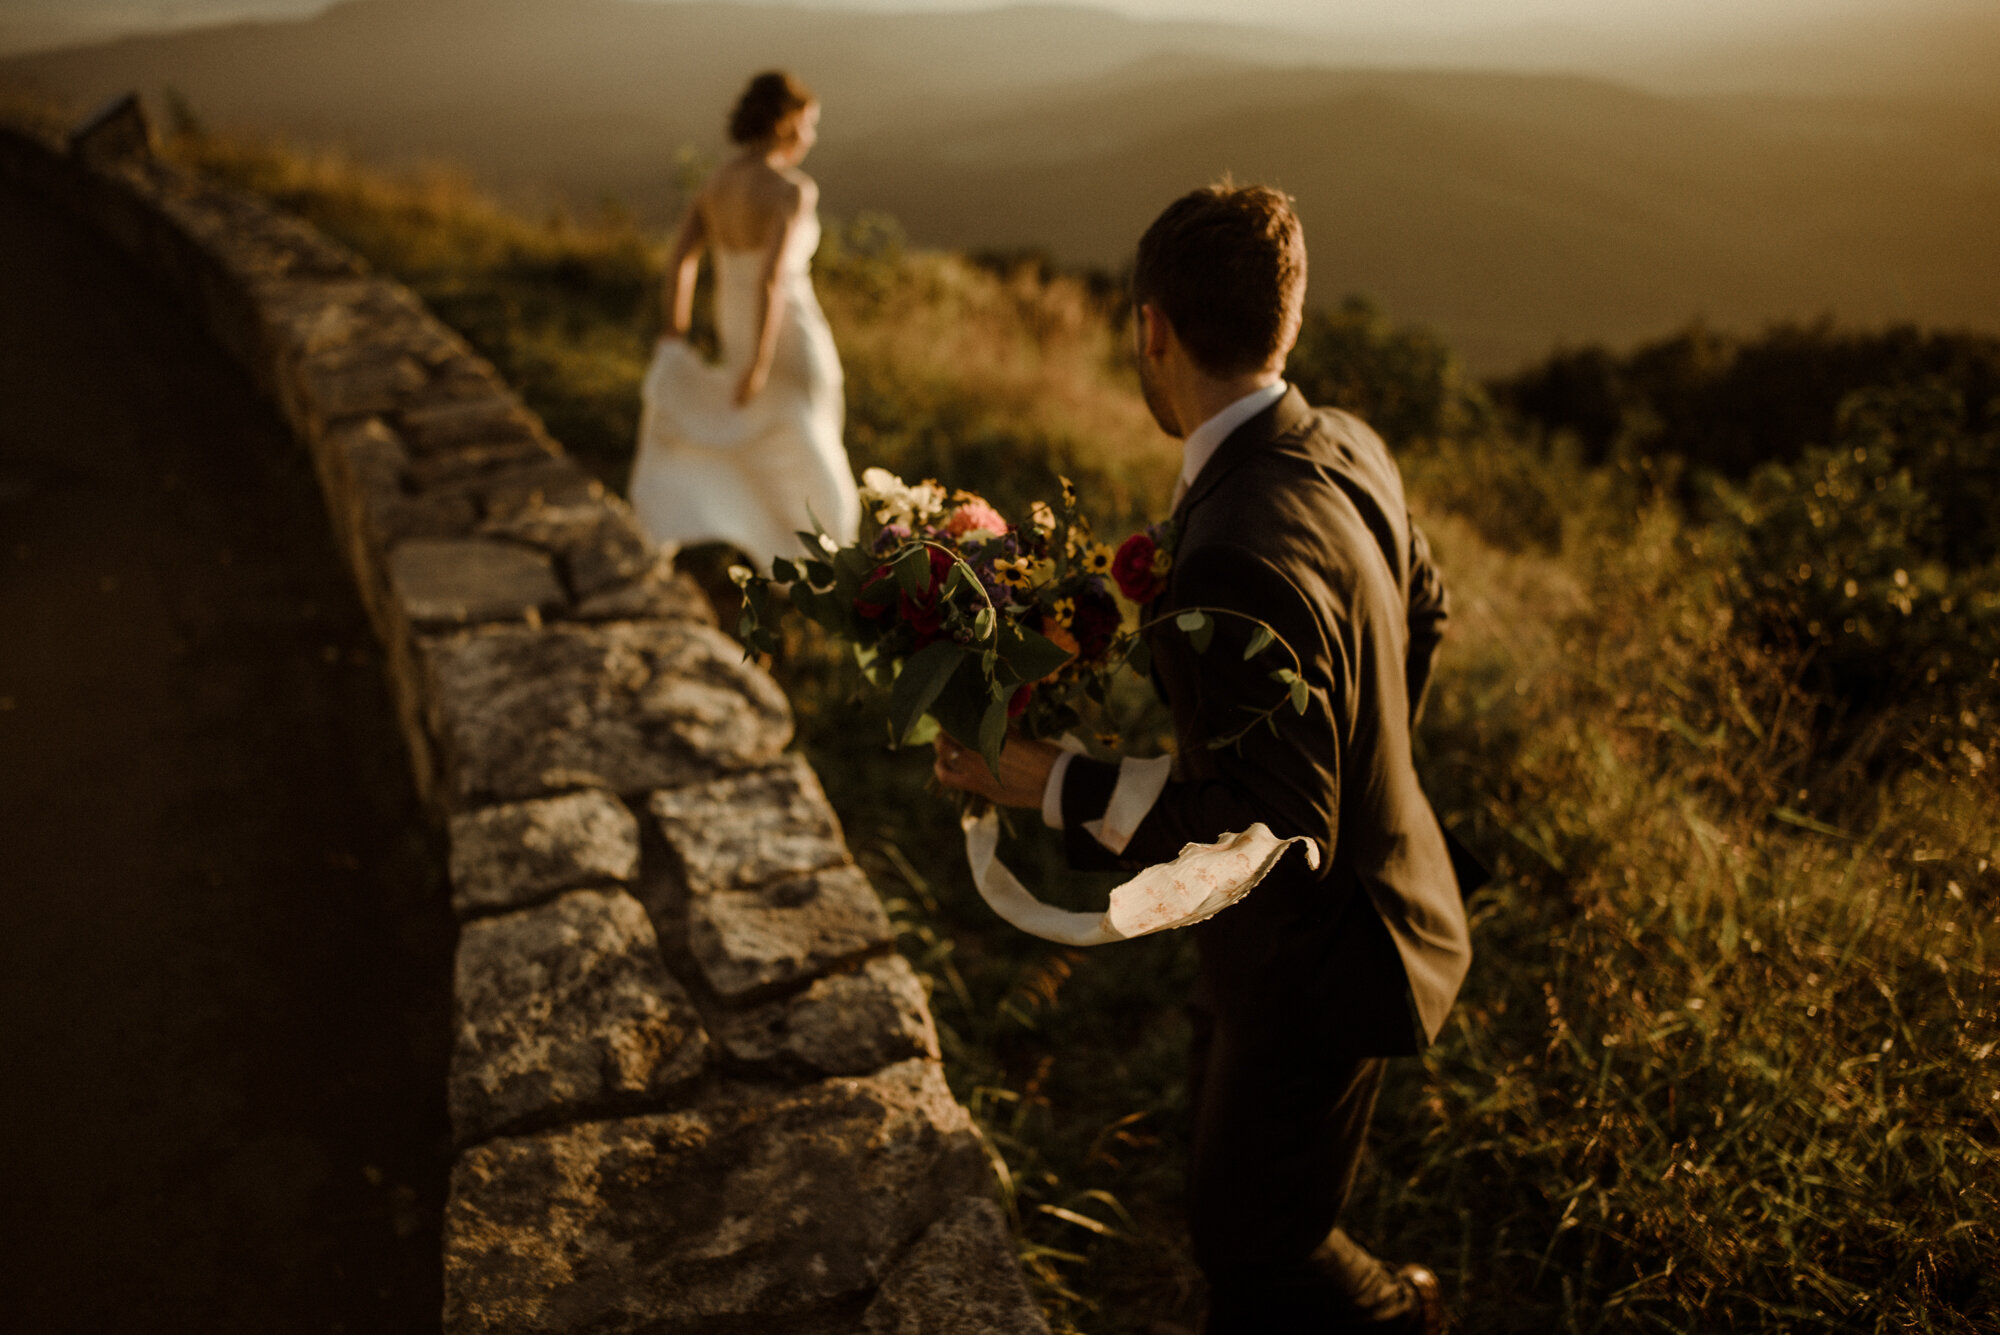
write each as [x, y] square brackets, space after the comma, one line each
[1406, 15]
[1434, 14]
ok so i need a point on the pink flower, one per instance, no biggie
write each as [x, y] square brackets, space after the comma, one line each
[975, 518]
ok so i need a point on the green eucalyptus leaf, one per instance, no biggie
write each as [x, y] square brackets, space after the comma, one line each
[961, 705]
[783, 571]
[1028, 656]
[1261, 640]
[827, 609]
[917, 686]
[913, 571]
[880, 593]
[819, 574]
[1199, 627]
[1300, 694]
[852, 561]
[982, 625]
[993, 735]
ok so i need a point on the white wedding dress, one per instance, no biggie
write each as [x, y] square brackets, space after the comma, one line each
[709, 471]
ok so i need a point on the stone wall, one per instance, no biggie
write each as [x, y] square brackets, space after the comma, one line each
[693, 1086]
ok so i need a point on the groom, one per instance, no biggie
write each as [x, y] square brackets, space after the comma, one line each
[1293, 516]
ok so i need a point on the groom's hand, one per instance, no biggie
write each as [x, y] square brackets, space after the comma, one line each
[1024, 770]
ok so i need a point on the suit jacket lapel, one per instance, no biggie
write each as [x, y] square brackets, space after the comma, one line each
[1288, 417]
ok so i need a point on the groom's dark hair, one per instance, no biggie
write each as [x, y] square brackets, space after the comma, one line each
[1226, 264]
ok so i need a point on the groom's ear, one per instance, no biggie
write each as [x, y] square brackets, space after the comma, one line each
[1155, 333]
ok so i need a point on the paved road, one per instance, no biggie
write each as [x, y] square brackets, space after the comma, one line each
[224, 953]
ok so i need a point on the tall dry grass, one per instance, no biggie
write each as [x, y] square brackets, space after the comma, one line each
[1726, 1060]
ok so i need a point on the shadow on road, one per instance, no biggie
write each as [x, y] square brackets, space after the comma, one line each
[224, 946]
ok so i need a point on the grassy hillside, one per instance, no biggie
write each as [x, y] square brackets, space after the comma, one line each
[1726, 1059]
[1512, 212]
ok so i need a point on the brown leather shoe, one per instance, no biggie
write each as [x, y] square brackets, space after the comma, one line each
[1429, 1313]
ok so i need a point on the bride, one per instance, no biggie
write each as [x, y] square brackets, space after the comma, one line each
[749, 452]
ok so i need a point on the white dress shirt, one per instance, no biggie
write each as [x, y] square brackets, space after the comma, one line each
[1202, 442]
[1196, 450]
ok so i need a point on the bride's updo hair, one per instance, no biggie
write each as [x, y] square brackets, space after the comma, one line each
[770, 98]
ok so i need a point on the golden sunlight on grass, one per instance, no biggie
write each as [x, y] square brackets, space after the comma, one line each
[1726, 1060]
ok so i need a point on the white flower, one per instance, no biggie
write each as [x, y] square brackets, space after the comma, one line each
[895, 501]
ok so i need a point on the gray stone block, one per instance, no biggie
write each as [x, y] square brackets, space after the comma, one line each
[683, 1221]
[473, 466]
[960, 1279]
[459, 581]
[628, 706]
[565, 1008]
[363, 466]
[598, 540]
[315, 317]
[483, 419]
[753, 942]
[845, 1024]
[346, 383]
[519, 499]
[365, 455]
[530, 480]
[510, 855]
[746, 830]
[394, 517]
[659, 594]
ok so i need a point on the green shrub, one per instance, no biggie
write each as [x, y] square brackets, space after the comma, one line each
[1878, 556]
[1727, 404]
[1403, 381]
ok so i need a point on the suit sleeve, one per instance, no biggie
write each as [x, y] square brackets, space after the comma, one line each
[1283, 771]
[1430, 609]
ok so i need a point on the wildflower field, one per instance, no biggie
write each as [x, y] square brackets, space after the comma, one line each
[1725, 723]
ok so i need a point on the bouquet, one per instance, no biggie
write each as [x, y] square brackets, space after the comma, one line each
[976, 623]
[979, 625]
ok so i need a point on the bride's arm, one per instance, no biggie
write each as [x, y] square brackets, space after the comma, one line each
[797, 202]
[682, 268]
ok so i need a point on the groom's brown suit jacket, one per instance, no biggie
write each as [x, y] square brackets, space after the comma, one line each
[1299, 520]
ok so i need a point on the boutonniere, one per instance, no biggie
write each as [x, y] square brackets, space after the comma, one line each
[1143, 560]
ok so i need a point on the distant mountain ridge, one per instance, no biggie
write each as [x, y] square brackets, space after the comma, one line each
[1510, 211]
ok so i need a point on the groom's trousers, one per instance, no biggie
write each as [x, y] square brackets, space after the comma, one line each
[1281, 1105]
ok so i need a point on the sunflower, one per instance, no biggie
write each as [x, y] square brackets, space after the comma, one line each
[1015, 574]
[1096, 559]
[1063, 611]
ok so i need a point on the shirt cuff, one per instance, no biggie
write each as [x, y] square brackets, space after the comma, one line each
[1052, 791]
[1140, 783]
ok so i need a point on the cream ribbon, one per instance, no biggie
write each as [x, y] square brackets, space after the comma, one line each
[1203, 881]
